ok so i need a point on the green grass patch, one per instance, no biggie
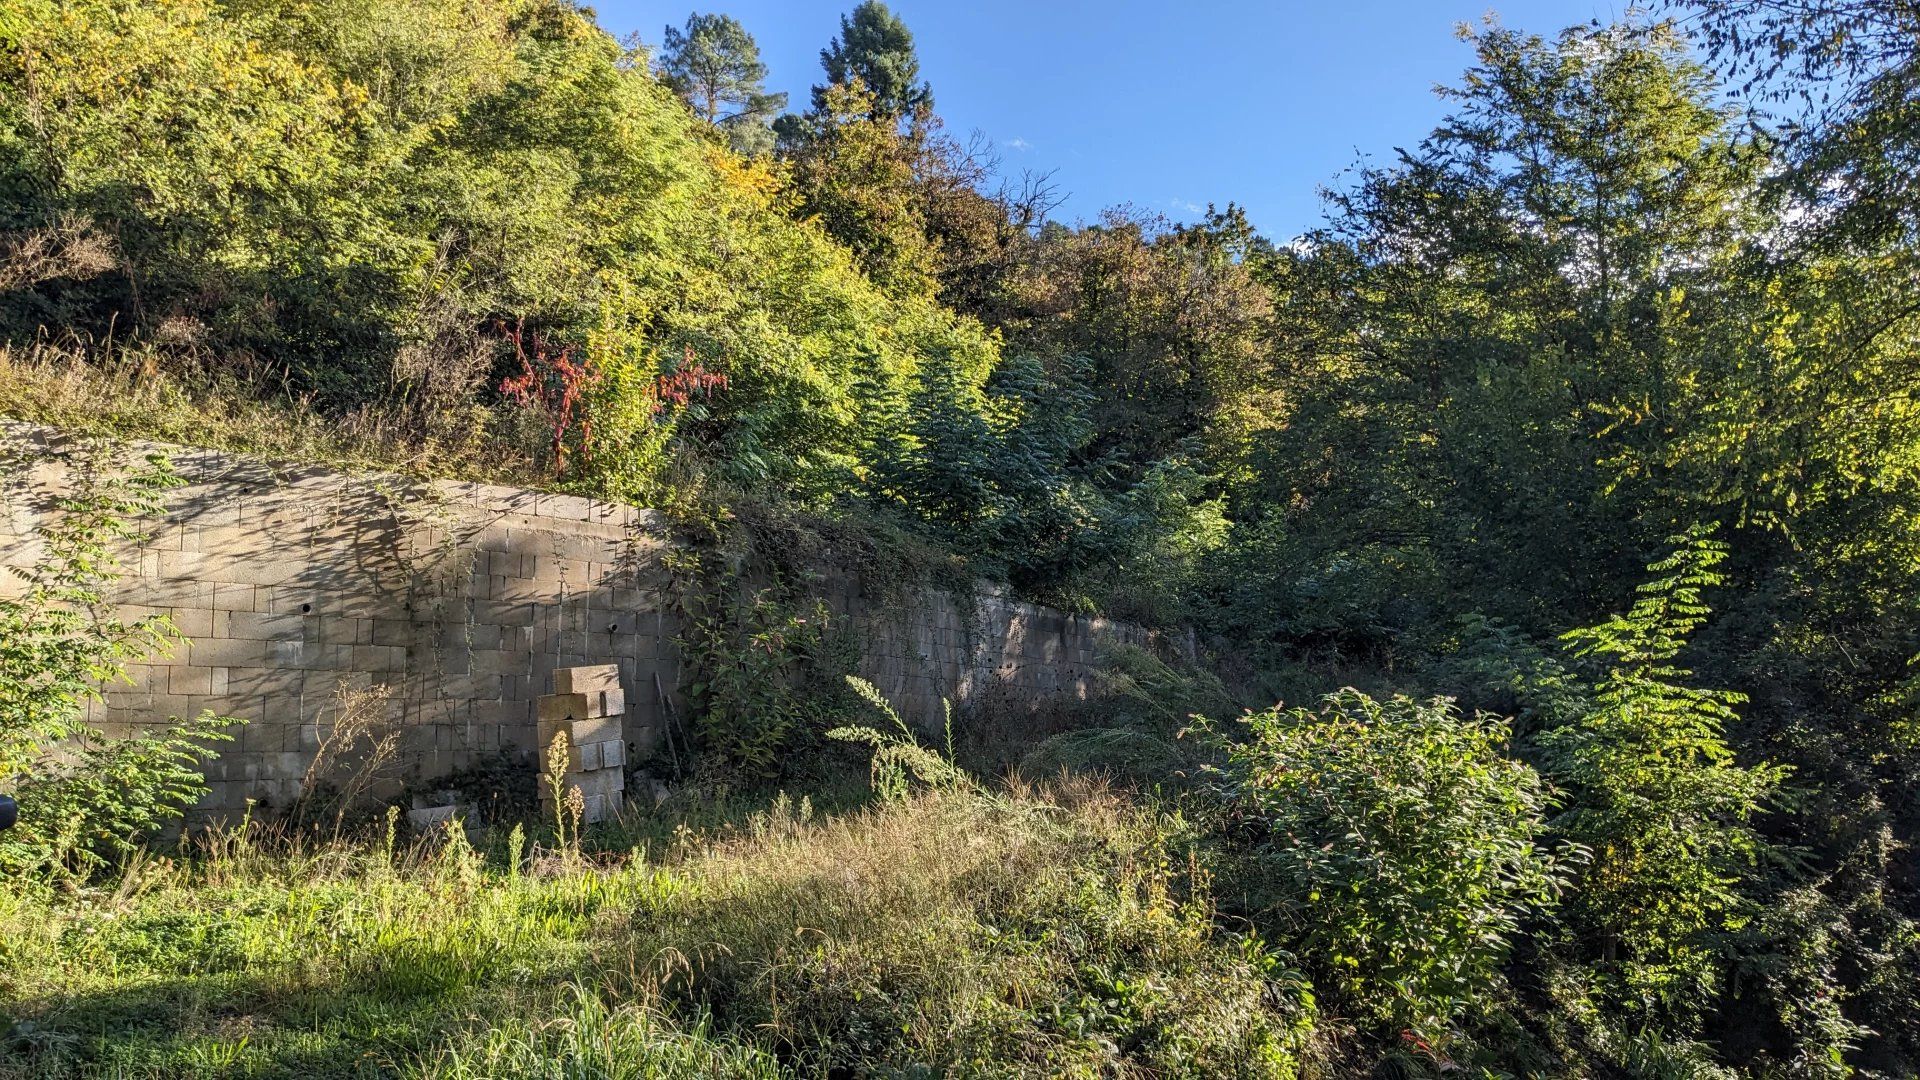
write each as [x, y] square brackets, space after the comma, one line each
[1040, 933]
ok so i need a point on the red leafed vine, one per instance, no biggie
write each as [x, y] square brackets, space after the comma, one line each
[677, 388]
[552, 382]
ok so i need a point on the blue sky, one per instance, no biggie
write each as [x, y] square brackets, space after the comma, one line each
[1163, 105]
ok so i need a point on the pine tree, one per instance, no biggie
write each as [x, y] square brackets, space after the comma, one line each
[876, 48]
[715, 65]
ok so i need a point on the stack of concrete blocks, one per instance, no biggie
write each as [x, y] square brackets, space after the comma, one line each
[587, 707]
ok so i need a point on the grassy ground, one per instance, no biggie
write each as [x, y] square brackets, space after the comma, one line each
[1057, 932]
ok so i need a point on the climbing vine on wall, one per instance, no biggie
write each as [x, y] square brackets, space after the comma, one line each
[764, 666]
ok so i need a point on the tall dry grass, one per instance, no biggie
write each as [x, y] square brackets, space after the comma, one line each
[146, 391]
[1054, 932]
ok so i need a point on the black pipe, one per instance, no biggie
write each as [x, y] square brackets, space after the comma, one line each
[9, 812]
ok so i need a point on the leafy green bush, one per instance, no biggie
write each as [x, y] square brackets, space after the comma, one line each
[762, 666]
[1394, 844]
[86, 798]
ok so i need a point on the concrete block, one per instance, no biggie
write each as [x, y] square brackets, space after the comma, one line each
[192, 622]
[240, 569]
[491, 538]
[340, 630]
[290, 653]
[176, 564]
[613, 755]
[578, 680]
[223, 652]
[501, 662]
[518, 640]
[599, 781]
[261, 680]
[517, 688]
[565, 507]
[553, 708]
[497, 713]
[377, 658]
[602, 807]
[185, 679]
[583, 757]
[259, 626]
[579, 732]
[574, 572]
[154, 592]
[228, 596]
[504, 613]
[521, 590]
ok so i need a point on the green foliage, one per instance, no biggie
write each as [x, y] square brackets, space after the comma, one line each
[1480, 327]
[1656, 797]
[1395, 843]
[1498, 668]
[491, 228]
[86, 798]
[1010, 477]
[359, 195]
[1170, 325]
[1593, 307]
[1597, 304]
[762, 667]
[1143, 706]
[858, 177]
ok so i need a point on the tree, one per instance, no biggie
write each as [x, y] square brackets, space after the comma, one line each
[875, 48]
[1655, 794]
[1171, 319]
[1492, 344]
[1843, 72]
[855, 175]
[714, 65]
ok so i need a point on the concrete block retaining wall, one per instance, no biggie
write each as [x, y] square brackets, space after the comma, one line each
[294, 583]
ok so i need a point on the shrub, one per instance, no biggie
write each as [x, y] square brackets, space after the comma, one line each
[85, 797]
[1393, 842]
[1144, 702]
[761, 667]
